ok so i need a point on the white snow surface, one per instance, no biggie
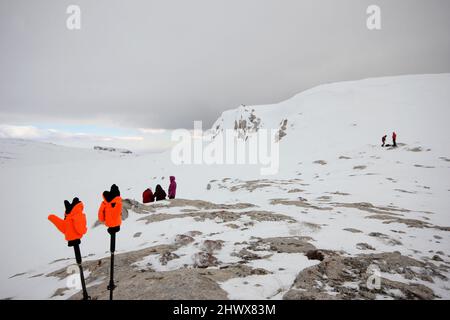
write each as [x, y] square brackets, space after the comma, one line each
[326, 123]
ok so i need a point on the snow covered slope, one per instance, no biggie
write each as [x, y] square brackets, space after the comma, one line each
[348, 119]
[337, 190]
[334, 116]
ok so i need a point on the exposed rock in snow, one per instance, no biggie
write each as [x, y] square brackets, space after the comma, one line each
[204, 259]
[282, 131]
[212, 245]
[244, 120]
[336, 271]
[352, 230]
[111, 149]
[283, 244]
[184, 283]
[364, 246]
[183, 239]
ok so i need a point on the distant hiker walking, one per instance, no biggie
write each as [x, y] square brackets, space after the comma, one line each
[148, 196]
[394, 139]
[172, 188]
[160, 194]
[383, 140]
[110, 213]
[73, 227]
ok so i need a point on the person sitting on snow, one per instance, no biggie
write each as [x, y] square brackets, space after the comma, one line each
[148, 196]
[160, 194]
[172, 188]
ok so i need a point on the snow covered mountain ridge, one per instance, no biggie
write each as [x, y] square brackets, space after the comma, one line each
[376, 104]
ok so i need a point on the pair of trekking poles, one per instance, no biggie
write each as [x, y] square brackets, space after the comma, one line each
[111, 286]
[73, 226]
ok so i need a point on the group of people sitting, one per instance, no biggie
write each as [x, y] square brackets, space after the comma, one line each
[159, 194]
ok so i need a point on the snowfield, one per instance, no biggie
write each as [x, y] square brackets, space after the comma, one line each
[339, 206]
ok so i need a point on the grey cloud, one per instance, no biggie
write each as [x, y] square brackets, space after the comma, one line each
[164, 64]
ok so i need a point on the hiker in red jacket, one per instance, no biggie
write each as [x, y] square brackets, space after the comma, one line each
[394, 139]
[148, 196]
[383, 140]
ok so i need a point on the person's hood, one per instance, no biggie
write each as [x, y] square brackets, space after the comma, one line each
[116, 199]
[172, 178]
[115, 192]
[106, 196]
[76, 210]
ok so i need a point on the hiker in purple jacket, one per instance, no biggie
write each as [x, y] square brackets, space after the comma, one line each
[172, 188]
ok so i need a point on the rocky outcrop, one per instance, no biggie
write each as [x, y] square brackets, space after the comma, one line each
[205, 259]
[200, 283]
[340, 277]
[283, 245]
[245, 123]
[282, 130]
[182, 284]
[212, 245]
[219, 216]
[149, 273]
[301, 202]
[140, 208]
[183, 239]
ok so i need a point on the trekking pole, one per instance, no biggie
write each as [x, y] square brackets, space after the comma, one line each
[111, 285]
[76, 247]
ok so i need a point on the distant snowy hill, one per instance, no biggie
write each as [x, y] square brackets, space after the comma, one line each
[337, 191]
[19, 152]
[352, 113]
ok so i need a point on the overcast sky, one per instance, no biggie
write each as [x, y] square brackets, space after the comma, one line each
[165, 63]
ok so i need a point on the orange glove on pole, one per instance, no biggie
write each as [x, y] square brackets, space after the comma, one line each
[73, 227]
[110, 213]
